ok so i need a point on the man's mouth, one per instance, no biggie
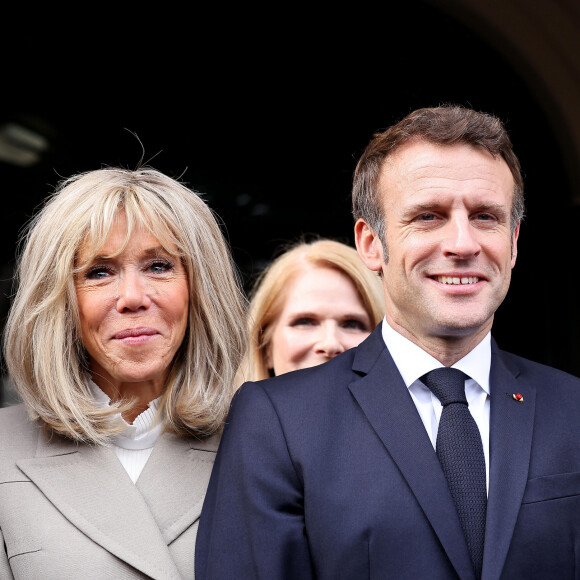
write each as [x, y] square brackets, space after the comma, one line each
[457, 280]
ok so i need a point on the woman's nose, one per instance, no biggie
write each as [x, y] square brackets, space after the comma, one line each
[133, 292]
[329, 342]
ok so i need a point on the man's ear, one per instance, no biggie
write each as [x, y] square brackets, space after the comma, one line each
[368, 245]
[515, 237]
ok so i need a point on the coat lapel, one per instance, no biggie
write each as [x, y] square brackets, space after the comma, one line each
[511, 428]
[186, 463]
[89, 486]
[387, 404]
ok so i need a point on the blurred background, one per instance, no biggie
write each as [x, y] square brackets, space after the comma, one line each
[265, 110]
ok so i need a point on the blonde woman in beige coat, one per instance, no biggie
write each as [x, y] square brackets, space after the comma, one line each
[122, 342]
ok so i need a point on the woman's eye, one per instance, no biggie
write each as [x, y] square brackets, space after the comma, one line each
[354, 324]
[303, 321]
[160, 266]
[97, 272]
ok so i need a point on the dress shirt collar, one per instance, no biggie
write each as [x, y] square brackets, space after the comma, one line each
[413, 362]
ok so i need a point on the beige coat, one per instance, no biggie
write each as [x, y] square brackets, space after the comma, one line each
[70, 511]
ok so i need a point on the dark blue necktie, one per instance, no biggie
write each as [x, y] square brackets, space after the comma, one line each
[460, 453]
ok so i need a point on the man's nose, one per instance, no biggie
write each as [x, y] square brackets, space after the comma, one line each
[329, 342]
[460, 238]
[133, 292]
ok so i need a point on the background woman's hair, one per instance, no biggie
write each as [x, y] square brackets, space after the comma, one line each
[269, 293]
[43, 349]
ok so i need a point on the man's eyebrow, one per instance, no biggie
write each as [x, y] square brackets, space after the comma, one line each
[421, 207]
[431, 205]
[497, 207]
[424, 205]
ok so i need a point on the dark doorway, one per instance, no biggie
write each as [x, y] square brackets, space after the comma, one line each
[266, 116]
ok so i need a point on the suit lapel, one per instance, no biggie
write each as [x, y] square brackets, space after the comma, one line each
[388, 406]
[186, 463]
[89, 486]
[511, 428]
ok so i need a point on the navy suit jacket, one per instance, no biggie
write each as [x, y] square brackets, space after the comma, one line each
[329, 473]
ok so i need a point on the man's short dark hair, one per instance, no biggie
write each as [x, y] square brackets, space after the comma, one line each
[444, 125]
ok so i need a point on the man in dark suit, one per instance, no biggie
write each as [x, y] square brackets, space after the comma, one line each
[335, 471]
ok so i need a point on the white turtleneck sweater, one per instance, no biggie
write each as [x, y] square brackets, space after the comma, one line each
[134, 445]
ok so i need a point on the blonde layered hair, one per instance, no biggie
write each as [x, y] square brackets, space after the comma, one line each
[269, 293]
[43, 350]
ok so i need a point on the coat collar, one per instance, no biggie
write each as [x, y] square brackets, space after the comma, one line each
[185, 465]
[510, 445]
[387, 404]
[89, 486]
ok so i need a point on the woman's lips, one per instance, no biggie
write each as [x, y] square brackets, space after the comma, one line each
[135, 335]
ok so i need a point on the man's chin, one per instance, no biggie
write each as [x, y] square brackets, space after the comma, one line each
[462, 326]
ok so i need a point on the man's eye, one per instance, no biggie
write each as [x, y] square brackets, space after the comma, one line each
[486, 219]
[427, 217]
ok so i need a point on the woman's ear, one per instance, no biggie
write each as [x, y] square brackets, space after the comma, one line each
[268, 358]
[368, 245]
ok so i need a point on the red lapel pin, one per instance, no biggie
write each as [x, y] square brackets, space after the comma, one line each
[518, 397]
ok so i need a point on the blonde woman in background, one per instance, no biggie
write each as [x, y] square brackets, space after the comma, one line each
[123, 340]
[314, 301]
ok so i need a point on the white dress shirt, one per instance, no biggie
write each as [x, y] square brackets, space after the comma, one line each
[134, 445]
[413, 362]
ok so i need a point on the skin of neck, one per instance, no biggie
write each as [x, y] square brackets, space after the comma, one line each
[446, 348]
[140, 394]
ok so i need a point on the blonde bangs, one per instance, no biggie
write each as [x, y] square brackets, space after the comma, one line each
[142, 211]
